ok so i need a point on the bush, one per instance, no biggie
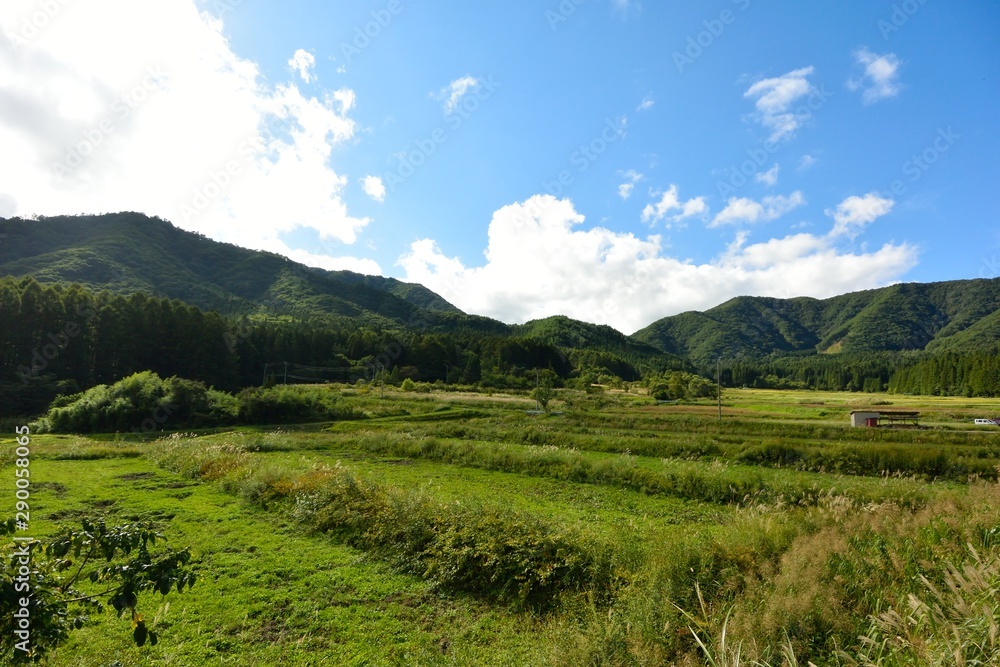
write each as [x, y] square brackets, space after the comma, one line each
[292, 405]
[142, 402]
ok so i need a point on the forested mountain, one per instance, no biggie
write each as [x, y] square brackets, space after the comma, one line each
[89, 300]
[599, 345]
[127, 253]
[936, 317]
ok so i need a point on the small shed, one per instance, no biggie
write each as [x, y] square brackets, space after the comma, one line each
[862, 418]
[901, 418]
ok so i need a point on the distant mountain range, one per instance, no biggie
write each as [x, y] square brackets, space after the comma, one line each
[947, 316]
[131, 252]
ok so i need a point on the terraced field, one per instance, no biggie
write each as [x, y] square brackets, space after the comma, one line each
[453, 529]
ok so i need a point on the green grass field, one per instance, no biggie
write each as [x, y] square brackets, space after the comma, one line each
[457, 529]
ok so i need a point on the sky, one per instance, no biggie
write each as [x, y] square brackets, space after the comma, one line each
[616, 161]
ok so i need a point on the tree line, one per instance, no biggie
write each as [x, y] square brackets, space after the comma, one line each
[62, 339]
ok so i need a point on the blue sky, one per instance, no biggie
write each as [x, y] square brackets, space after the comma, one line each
[615, 161]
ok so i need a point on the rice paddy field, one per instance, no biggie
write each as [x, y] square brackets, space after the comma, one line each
[450, 528]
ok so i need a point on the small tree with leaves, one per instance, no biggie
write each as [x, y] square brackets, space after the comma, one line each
[69, 575]
[543, 394]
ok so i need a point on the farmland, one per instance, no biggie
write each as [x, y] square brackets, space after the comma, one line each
[449, 528]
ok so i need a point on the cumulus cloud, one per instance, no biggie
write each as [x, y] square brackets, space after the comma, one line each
[373, 187]
[303, 63]
[775, 98]
[806, 162]
[669, 201]
[647, 103]
[540, 261]
[193, 134]
[631, 177]
[769, 177]
[880, 79]
[855, 213]
[453, 93]
[747, 210]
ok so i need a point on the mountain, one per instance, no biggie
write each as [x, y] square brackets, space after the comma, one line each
[130, 252]
[126, 253]
[585, 338]
[955, 315]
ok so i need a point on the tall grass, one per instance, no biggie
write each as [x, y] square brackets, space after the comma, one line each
[714, 482]
[489, 551]
[840, 582]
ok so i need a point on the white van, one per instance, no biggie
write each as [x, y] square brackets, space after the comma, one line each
[986, 422]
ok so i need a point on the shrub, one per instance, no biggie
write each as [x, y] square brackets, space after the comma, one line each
[290, 405]
[141, 402]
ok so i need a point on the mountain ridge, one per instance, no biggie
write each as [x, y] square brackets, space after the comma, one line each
[130, 252]
[940, 316]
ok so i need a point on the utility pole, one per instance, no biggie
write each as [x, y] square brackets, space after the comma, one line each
[381, 375]
[718, 384]
[264, 381]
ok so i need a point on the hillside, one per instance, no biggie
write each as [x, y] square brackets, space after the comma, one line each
[127, 253]
[955, 315]
[592, 340]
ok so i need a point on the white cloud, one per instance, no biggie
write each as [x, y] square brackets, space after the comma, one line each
[303, 62]
[190, 133]
[453, 93]
[747, 210]
[880, 80]
[653, 213]
[624, 6]
[775, 98]
[769, 177]
[631, 178]
[646, 104]
[373, 187]
[325, 261]
[540, 263]
[806, 162]
[855, 213]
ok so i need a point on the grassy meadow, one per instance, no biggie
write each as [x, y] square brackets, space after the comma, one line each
[451, 528]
